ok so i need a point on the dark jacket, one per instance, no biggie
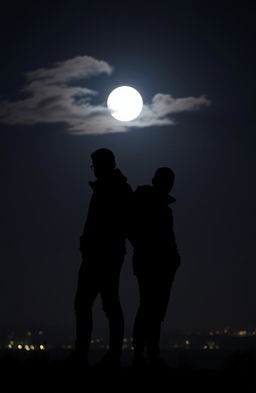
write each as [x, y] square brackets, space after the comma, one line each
[105, 229]
[153, 238]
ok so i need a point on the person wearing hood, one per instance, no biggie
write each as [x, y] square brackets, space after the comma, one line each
[155, 261]
[102, 247]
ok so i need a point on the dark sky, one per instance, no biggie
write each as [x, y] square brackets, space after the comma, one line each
[174, 47]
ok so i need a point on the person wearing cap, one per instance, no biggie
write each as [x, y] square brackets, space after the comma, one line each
[102, 246]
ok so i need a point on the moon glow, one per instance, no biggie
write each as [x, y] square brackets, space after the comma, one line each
[125, 103]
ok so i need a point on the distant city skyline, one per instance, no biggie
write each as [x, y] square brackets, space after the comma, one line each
[204, 339]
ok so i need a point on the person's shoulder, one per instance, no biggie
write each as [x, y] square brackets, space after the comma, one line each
[126, 187]
[124, 191]
[143, 193]
[144, 189]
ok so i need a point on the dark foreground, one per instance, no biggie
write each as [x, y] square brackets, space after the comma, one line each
[39, 374]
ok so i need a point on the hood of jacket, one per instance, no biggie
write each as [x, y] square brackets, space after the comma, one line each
[149, 192]
[115, 178]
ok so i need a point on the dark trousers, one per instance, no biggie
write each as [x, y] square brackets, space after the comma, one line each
[154, 293]
[96, 279]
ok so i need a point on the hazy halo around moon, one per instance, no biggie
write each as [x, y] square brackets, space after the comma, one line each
[125, 103]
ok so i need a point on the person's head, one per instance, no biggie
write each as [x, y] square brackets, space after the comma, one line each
[103, 162]
[163, 179]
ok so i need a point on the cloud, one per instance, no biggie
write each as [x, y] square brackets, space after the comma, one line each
[57, 95]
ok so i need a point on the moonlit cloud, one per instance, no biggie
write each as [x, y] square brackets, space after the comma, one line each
[57, 95]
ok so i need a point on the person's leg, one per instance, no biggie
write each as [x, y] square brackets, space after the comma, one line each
[159, 304]
[112, 308]
[140, 323]
[139, 334]
[153, 339]
[87, 290]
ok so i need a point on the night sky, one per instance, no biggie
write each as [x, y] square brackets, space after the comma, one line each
[202, 53]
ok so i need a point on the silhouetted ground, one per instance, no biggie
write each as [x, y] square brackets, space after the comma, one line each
[38, 373]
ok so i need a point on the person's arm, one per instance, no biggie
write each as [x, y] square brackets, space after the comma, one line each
[129, 214]
[176, 255]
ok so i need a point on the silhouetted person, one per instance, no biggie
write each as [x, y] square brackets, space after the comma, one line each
[155, 261]
[102, 247]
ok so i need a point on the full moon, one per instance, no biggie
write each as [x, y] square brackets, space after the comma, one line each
[125, 103]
